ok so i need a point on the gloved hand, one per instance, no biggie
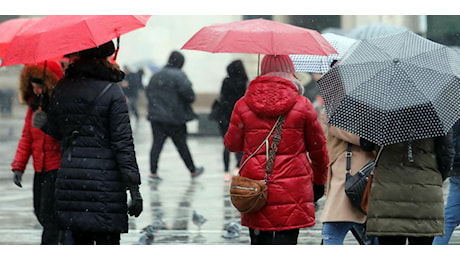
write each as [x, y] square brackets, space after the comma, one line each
[366, 145]
[318, 192]
[135, 208]
[39, 119]
[17, 178]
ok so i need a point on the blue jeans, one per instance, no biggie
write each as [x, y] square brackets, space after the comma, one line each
[451, 211]
[334, 233]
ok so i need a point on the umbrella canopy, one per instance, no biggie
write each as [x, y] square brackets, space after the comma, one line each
[10, 28]
[57, 35]
[321, 64]
[259, 36]
[373, 30]
[394, 89]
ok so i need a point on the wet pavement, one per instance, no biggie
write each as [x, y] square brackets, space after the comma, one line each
[175, 198]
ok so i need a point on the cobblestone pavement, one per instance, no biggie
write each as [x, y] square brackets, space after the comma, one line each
[176, 197]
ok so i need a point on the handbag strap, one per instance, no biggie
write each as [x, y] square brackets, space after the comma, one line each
[278, 127]
[274, 147]
[348, 155]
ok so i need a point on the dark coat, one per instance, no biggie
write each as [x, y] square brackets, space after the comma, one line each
[406, 198]
[170, 97]
[99, 163]
[233, 88]
[301, 159]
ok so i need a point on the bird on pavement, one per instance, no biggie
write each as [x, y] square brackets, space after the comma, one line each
[148, 236]
[198, 219]
[232, 230]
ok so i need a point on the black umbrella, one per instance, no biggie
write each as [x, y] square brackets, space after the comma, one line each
[393, 89]
[377, 29]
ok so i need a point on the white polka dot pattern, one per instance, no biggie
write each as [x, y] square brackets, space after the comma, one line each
[321, 64]
[394, 89]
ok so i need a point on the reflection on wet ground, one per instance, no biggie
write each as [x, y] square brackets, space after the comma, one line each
[170, 202]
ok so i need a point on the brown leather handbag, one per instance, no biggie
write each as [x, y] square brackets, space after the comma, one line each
[248, 195]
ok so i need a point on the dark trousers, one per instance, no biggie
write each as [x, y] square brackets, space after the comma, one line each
[223, 127]
[45, 206]
[401, 240]
[178, 134]
[285, 237]
[95, 238]
[132, 106]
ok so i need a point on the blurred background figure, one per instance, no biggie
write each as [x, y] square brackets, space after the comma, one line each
[132, 85]
[36, 83]
[170, 96]
[233, 88]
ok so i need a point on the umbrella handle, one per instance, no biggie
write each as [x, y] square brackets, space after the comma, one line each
[258, 64]
[116, 51]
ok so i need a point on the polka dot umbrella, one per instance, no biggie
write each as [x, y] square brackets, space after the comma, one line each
[322, 63]
[394, 89]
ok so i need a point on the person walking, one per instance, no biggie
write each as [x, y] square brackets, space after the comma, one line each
[406, 199]
[170, 96]
[339, 216]
[233, 88]
[452, 206]
[36, 83]
[132, 85]
[301, 163]
[88, 114]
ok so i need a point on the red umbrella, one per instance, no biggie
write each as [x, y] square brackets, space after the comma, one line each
[259, 36]
[57, 35]
[10, 28]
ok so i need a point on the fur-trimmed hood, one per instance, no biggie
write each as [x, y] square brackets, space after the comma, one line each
[49, 76]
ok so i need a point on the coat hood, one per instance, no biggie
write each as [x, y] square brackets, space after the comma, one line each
[271, 96]
[176, 60]
[236, 70]
[48, 73]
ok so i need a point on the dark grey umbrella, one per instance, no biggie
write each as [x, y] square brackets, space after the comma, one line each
[377, 29]
[393, 89]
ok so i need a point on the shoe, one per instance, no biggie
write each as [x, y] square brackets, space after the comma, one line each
[198, 172]
[155, 178]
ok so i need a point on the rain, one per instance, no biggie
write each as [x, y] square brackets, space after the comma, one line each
[179, 211]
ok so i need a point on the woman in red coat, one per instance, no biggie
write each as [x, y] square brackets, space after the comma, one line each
[35, 85]
[300, 168]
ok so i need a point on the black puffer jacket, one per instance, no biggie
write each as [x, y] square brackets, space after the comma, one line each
[170, 94]
[99, 162]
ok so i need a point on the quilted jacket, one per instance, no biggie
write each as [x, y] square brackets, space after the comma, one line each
[45, 151]
[301, 158]
[99, 163]
[406, 198]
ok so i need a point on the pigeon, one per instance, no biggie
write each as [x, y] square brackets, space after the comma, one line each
[232, 230]
[198, 219]
[148, 235]
[158, 223]
[149, 232]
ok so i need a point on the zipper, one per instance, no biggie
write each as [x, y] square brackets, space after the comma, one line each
[243, 188]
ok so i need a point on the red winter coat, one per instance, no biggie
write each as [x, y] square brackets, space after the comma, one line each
[45, 150]
[290, 192]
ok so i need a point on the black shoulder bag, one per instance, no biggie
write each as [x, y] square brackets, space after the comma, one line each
[355, 185]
